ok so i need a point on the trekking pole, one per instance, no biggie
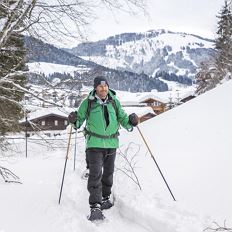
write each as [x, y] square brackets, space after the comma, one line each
[66, 158]
[155, 162]
[75, 151]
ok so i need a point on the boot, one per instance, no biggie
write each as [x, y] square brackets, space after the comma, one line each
[106, 203]
[95, 213]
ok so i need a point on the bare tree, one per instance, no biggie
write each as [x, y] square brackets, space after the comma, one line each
[8, 176]
[217, 227]
[52, 18]
[44, 19]
[129, 166]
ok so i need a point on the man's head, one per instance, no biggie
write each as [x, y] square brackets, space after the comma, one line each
[101, 86]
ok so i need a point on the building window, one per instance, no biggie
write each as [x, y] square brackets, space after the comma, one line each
[65, 122]
[43, 123]
[56, 122]
[157, 103]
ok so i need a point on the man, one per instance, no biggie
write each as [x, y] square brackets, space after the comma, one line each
[103, 114]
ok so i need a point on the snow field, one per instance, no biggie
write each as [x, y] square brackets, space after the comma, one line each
[192, 145]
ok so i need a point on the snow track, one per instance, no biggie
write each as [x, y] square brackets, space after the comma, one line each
[33, 206]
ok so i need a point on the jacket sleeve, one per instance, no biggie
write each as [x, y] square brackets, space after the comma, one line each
[81, 113]
[123, 118]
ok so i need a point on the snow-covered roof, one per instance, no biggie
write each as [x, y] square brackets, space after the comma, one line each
[49, 68]
[187, 94]
[130, 103]
[152, 96]
[47, 111]
[128, 98]
[140, 111]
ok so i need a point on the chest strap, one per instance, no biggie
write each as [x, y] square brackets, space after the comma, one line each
[101, 136]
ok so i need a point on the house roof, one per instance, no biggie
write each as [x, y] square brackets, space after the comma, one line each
[42, 112]
[152, 96]
[188, 94]
[140, 111]
[187, 97]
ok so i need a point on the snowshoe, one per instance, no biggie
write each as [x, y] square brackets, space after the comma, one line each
[106, 203]
[96, 213]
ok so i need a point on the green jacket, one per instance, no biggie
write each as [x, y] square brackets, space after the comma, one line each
[96, 122]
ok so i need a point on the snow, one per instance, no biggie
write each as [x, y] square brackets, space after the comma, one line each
[132, 53]
[109, 61]
[176, 93]
[152, 96]
[50, 68]
[140, 111]
[180, 40]
[192, 145]
[2, 23]
[63, 112]
[195, 138]
[173, 85]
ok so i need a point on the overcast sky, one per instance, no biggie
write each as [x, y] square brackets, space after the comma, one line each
[194, 16]
[190, 16]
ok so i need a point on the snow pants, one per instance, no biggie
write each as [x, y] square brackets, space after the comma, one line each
[101, 170]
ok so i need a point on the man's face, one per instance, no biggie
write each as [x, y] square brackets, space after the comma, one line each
[102, 90]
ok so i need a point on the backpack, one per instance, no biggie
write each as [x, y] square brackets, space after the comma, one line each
[90, 107]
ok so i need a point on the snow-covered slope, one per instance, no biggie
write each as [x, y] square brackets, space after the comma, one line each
[80, 69]
[192, 145]
[151, 52]
[50, 68]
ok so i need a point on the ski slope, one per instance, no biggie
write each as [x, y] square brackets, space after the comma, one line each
[192, 145]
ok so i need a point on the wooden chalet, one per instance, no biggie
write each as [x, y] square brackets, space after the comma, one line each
[48, 120]
[156, 104]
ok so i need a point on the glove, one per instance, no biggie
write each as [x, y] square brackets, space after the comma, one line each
[72, 118]
[133, 119]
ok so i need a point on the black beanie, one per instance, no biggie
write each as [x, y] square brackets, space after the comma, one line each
[99, 80]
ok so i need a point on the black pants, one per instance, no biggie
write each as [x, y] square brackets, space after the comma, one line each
[101, 170]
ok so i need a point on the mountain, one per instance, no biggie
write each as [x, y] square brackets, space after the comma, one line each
[38, 51]
[155, 53]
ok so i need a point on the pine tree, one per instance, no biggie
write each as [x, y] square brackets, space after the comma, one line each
[223, 43]
[213, 71]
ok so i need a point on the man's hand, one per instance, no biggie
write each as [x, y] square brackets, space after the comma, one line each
[72, 118]
[133, 119]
